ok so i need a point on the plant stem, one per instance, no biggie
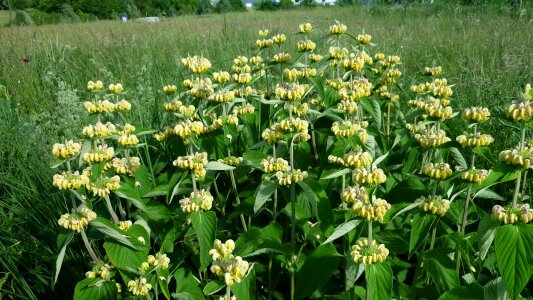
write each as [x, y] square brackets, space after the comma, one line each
[88, 247]
[521, 148]
[228, 292]
[110, 209]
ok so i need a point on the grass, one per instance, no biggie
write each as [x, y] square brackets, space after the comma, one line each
[485, 51]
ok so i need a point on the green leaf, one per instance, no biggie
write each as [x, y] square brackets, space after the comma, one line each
[109, 229]
[315, 192]
[342, 229]
[253, 158]
[379, 279]
[472, 291]
[486, 231]
[456, 154]
[127, 192]
[95, 288]
[213, 286]
[205, 225]
[513, 244]
[337, 174]
[316, 270]
[63, 239]
[441, 268]
[419, 229]
[187, 286]
[264, 191]
[218, 166]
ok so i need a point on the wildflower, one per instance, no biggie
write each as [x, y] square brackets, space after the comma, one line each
[512, 214]
[170, 89]
[115, 88]
[290, 177]
[363, 253]
[104, 185]
[225, 264]
[372, 177]
[124, 225]
[99, 154]
[364, 39]
[263, 33]
[279, 38]
[196, 64]
[199, 200]
[67, 180]
[476, 176]
[271, 164]
[78, 220]
[67, 150]
[435, 205]
[476, 114]
[437, 170]
[337, 29]
[474, 140]
[303, 28]
[139, 286]
[95, 86]
[433, 71]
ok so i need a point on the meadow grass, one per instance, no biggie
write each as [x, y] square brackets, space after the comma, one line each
[485, 51]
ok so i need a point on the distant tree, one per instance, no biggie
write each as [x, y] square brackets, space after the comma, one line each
[237, 5]
[223, 6]
[286, 4]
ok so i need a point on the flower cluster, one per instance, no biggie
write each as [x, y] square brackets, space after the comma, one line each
[78, 220]
[437, 170]
[139, 286]
[363, 253]
[195, 162]
[435, 205]
[519, 157]
[513, 214]
[476, 176]
[199, 200]
[476, 114]
[372, 177]
[225, 264]
[271, 164]
[474, 139]
[67, 180]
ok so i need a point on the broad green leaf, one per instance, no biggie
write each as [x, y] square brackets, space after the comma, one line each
[314, 190]
[63, 240]
[486, 230]
[342, 229]
[514, 244]
[337, 174]
[95, 288]
[441, 268]
[127, 192]
[205, 225]
[379, 279]
[218, 166]
[472, 291]
[187, 286]
[253, 158]
[458, 156]
[318, 267]
[419, 230]
[213, 286]
[109, 229]
[264, 191]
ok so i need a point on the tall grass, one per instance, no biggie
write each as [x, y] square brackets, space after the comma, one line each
[485, 50]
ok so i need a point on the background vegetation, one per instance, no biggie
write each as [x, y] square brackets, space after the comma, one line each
[484, 50]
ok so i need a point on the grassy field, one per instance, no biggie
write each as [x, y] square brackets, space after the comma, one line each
[485, 51]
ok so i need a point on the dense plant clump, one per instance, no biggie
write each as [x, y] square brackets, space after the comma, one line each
[318, 176]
